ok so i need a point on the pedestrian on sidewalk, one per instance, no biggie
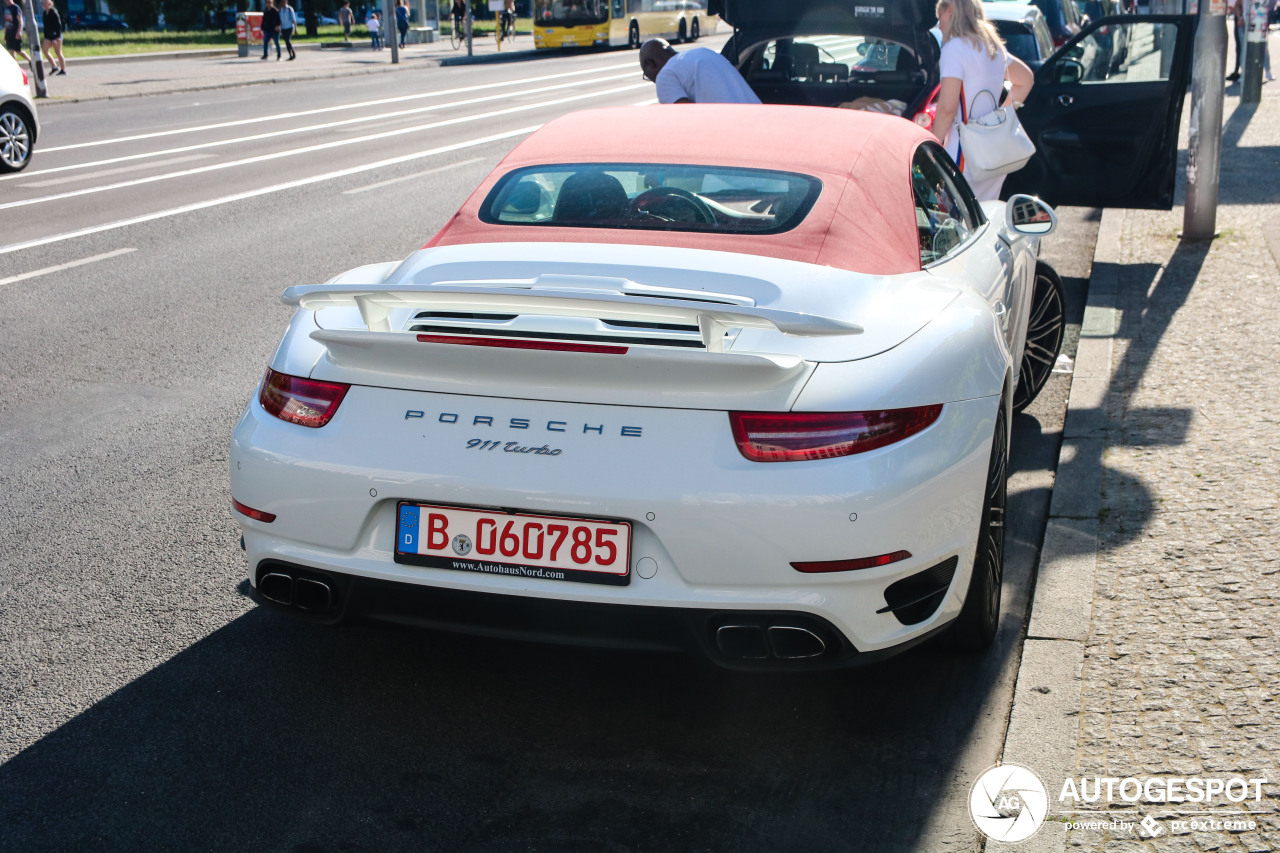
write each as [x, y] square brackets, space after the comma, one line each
[347, 18]
[13, 30]
[1237, 10]
[53, 37]
[288, 26]
[402, 19]
[270, 28]
[1241, 11]
[374, 24]
[974, 63]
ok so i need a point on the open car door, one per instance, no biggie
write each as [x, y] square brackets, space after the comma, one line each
[1104, 115]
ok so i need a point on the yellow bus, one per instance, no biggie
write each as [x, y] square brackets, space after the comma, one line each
[591, 23]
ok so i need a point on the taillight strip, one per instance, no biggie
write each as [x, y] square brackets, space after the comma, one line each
[512, 343]
[823, 566]
[255, 514]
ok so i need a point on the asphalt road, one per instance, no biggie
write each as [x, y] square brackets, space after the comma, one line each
[146, 703]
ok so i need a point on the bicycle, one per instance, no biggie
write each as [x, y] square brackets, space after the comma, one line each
[457, 35]
[508, 27]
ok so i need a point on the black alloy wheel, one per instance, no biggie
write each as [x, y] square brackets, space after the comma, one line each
[1045, 330]
[693, 32]
[980, 617]
[15, 140]
[633, 38]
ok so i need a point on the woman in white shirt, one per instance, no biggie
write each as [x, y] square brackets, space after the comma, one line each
[975, 63]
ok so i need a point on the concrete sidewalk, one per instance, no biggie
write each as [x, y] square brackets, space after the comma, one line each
[98, 78]
[1153, 645]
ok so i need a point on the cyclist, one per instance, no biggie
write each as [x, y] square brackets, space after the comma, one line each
[459, 12]
[509, 19]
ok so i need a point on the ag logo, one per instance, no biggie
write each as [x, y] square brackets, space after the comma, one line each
[1008, 803]
[462, 545]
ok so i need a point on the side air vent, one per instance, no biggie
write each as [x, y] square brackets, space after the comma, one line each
[914, 599]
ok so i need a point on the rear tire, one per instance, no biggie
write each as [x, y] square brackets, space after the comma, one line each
[979, 619]
[683, 36]
[693, 31]
[1045, 330]
[633, 36]
[16, 140]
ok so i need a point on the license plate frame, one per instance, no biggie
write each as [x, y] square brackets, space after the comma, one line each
[489, 536]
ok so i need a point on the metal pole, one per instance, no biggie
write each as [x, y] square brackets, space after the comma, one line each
[1255, 51]
[395, 35]
[1204, 147]
[33, 41]
[466, 26]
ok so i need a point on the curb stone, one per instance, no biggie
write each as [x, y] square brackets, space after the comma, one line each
[1043, 723]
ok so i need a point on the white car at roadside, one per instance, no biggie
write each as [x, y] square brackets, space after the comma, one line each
[18, 123]
[649, 390]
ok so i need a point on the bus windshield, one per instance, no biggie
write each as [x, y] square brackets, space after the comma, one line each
[570, 13]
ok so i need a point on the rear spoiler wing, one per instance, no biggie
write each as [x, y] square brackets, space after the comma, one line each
[713, 319]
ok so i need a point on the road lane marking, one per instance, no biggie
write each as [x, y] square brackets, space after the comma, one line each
[324, 146]
[290, 131]
[319, 110]
[381, 184]
[13, 279]
[106, 173]
[301, 182]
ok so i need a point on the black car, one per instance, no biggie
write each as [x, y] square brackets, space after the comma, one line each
[96, 21]
[1105, 135]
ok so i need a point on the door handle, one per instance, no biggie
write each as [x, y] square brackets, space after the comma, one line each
[1065, 100]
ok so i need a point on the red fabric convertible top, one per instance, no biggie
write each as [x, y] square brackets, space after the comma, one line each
[864, 219]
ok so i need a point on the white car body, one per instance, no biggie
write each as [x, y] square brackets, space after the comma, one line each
[19, 125]
[644, 439]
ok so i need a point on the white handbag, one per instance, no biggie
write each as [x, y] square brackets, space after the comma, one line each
[995, 143]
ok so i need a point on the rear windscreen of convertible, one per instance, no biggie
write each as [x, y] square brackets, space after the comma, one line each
[661, 197]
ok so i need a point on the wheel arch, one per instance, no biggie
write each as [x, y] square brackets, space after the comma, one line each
[20, 107]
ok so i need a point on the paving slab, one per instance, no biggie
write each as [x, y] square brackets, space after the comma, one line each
[1152, 644]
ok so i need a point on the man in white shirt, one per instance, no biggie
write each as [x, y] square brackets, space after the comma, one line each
[697, 76]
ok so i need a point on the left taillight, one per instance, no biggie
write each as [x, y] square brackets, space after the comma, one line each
[306, 402]
[800, 436]
[929, 111]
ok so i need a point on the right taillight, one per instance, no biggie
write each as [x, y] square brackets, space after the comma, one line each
[306, 402]
[799, 436]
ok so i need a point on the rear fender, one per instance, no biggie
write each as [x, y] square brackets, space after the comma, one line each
[961, 355]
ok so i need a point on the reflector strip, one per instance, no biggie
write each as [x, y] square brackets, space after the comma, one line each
[850, 565]
[255, 514]
[510, 343]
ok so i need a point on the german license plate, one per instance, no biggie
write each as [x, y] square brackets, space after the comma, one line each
[517, 545]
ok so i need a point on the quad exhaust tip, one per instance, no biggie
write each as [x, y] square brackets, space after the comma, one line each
[763, 642]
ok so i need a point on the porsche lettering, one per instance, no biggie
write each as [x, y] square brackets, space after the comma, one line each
[526, 423]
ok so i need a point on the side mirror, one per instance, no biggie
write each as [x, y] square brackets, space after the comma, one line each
[1024, 214]
[1069, 71]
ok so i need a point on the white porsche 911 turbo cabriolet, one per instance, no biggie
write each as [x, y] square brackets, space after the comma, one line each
[754, 403]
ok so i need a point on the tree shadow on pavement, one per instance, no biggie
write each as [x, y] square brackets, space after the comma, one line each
[275, 734]
[1146, 298]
